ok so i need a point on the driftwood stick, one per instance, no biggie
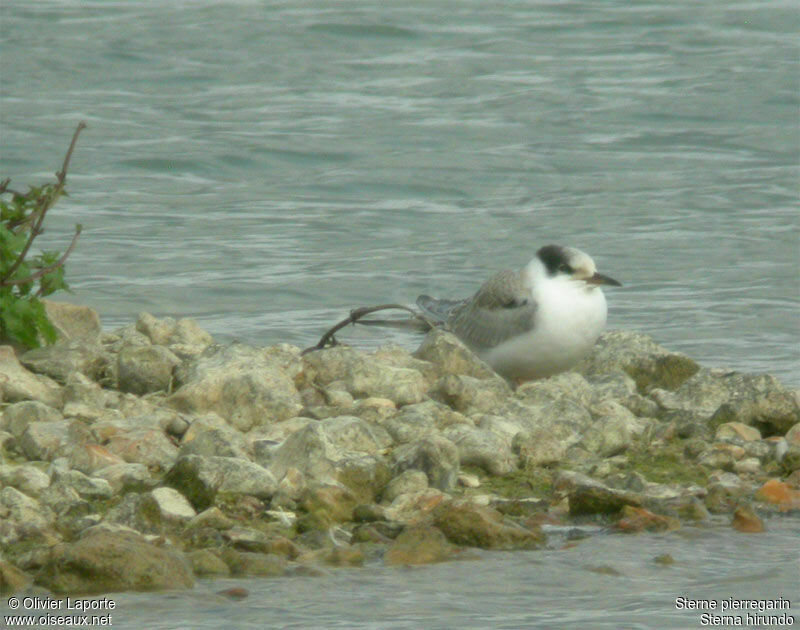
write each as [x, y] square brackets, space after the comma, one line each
[328, 339]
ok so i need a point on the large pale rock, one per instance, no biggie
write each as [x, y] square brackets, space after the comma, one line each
[200, 479]
[421, 419]
[470, 395]
[145, 369]
[17, 416]
[18, 384]
[364, 376]
[23, 509]
[44, 440]
[337, 450]
[61, 360]
[172, 505]
[450, 356]
[609, 435]
[105, 561]
[410, 480]
[73, 321]
[211, 435]
[722, 396]
[483, 448]
[435, 455]
[183, 337]
[639, 356]
[27, 478]
[124, 477]
[246, 386]
[90, 488]
[150, 447]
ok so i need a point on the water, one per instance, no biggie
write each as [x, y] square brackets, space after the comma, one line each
[264, 167]
[605, 582]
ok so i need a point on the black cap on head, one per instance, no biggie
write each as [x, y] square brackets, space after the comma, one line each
[552, 257]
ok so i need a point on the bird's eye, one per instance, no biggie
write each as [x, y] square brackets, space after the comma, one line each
[565, 268]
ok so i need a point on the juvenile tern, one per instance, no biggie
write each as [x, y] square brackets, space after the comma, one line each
[531, 323]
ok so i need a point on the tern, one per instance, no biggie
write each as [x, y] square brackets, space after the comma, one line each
[531, 323]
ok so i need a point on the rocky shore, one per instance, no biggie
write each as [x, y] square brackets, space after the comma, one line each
[147, 457]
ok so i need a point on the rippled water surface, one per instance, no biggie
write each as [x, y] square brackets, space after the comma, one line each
[264, 167]
[605, 582]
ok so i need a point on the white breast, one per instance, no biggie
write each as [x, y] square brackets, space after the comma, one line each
[569, 319]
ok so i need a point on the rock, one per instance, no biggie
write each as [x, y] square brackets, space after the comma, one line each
[635, 519]
[145, 369]
[471, 525]
[254, 564]
[144, 446]
[105, 561]
[66, 503]
[450, 356]
[17, 416]
[18, 384]
[90, 458]
[61, 360]
[354, 434]
[26, 478]
[23, 509]
[158, 331]
[779, 493]
[414, 507]
[90, 488]
[43, 441]
[737, 431]
[569, 385]
[364, 376]
[419, 544]
[436, 456]
[589, 496]
[747, 521]
[483, 448]
[761, 402]
[72, 321]
[337, 502]
[649, 364]
[222, 440]
[138, 512]
[410, 480]
[172, 505]
[607, 436]
[246, 386]
[124, 477]
[419, 420]
[313, 452]
[12, 580]
[200, 479]
[206, 563]
[470, 395]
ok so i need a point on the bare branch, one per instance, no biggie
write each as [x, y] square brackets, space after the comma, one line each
[47, 201]
[45, 270]
[62, 174]
[355, 315]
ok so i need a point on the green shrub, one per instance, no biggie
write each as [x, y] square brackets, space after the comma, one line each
[24, 277]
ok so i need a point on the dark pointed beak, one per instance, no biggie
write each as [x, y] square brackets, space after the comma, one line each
[599, 278]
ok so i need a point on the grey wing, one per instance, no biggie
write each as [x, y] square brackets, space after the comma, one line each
[438, 310]
[502, 308]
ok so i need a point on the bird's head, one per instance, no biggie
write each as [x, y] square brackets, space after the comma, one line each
[572, 264]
